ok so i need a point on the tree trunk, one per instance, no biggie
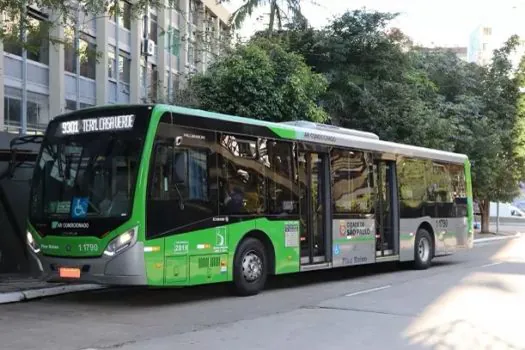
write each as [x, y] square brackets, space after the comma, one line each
[484, 207]
[273, 10]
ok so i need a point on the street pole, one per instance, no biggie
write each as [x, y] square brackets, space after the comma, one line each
[23, 36]
[497, 217]
[77, 56]
[145, 52]
[117, 52]
[170, 47]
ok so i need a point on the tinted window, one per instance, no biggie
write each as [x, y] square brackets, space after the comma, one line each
[183, 186]
[431, 188]
[449, 188]
[241, 179]
[352, 188]
[277, 159]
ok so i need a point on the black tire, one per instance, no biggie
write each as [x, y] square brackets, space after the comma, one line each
[423, 250]
[250, 249]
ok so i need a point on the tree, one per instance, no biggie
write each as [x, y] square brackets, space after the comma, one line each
[379, 82]
[497, 147]
[261, 80]
[277, 12]
[374, 84]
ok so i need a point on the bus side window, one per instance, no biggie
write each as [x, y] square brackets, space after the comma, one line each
[179, 167]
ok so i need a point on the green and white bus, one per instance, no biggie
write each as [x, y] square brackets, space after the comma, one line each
[162, 195]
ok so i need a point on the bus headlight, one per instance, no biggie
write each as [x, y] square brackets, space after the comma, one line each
[32, 243]
[122, 241]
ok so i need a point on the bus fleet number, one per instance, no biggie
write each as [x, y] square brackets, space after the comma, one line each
[442, 223]
[88, 247]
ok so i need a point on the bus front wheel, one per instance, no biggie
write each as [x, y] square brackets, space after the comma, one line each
[422, 249]
[250, 267]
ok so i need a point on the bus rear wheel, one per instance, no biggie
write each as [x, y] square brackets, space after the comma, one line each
[250, 267]
[422, 249]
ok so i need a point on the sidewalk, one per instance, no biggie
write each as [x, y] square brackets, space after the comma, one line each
[493, 236]
[16, 288]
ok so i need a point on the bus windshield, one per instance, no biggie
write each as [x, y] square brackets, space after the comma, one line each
[84, 175]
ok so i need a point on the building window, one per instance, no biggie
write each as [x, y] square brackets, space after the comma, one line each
[124, 16]
[191, 54]
[72, 105]
[194, 12]
[87, 53]
[124, 63]
[143, 77]
[175, 81]
[153, 27]
[112, 64]
[12, 111]
[37, 112]
[88, 57]
[172, 41]
[37, 37]
[153, 81]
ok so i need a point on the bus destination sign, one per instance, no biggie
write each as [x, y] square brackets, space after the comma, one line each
[109, 123]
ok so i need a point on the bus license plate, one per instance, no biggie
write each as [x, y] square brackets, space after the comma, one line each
[69, 272]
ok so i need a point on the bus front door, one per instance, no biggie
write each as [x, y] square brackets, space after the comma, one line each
[313, 172]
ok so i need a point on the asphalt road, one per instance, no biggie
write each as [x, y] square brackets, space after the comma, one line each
[473, 300]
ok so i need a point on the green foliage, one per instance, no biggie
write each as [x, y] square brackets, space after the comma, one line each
[379, 82]
[261, 80]
[278, 14]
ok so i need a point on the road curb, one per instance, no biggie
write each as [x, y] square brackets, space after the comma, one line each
[14, 297]
[497, 238]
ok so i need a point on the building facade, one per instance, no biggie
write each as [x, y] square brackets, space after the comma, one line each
[486, 38]
[122, 59]
[481, 45]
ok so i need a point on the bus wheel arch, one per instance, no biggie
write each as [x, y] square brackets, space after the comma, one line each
[253, 261]
[424, 246]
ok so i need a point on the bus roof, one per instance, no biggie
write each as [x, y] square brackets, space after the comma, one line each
[332, 128]
[312, 132]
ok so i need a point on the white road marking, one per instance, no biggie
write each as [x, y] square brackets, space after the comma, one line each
[493, 264]
[368, 291]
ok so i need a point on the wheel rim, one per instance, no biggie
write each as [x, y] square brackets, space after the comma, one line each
[252, 266]
[424, 249]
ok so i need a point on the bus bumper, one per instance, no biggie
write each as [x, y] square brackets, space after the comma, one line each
[125, 268]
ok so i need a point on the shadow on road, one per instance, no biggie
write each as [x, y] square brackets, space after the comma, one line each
[460, 303]
[158, 296]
